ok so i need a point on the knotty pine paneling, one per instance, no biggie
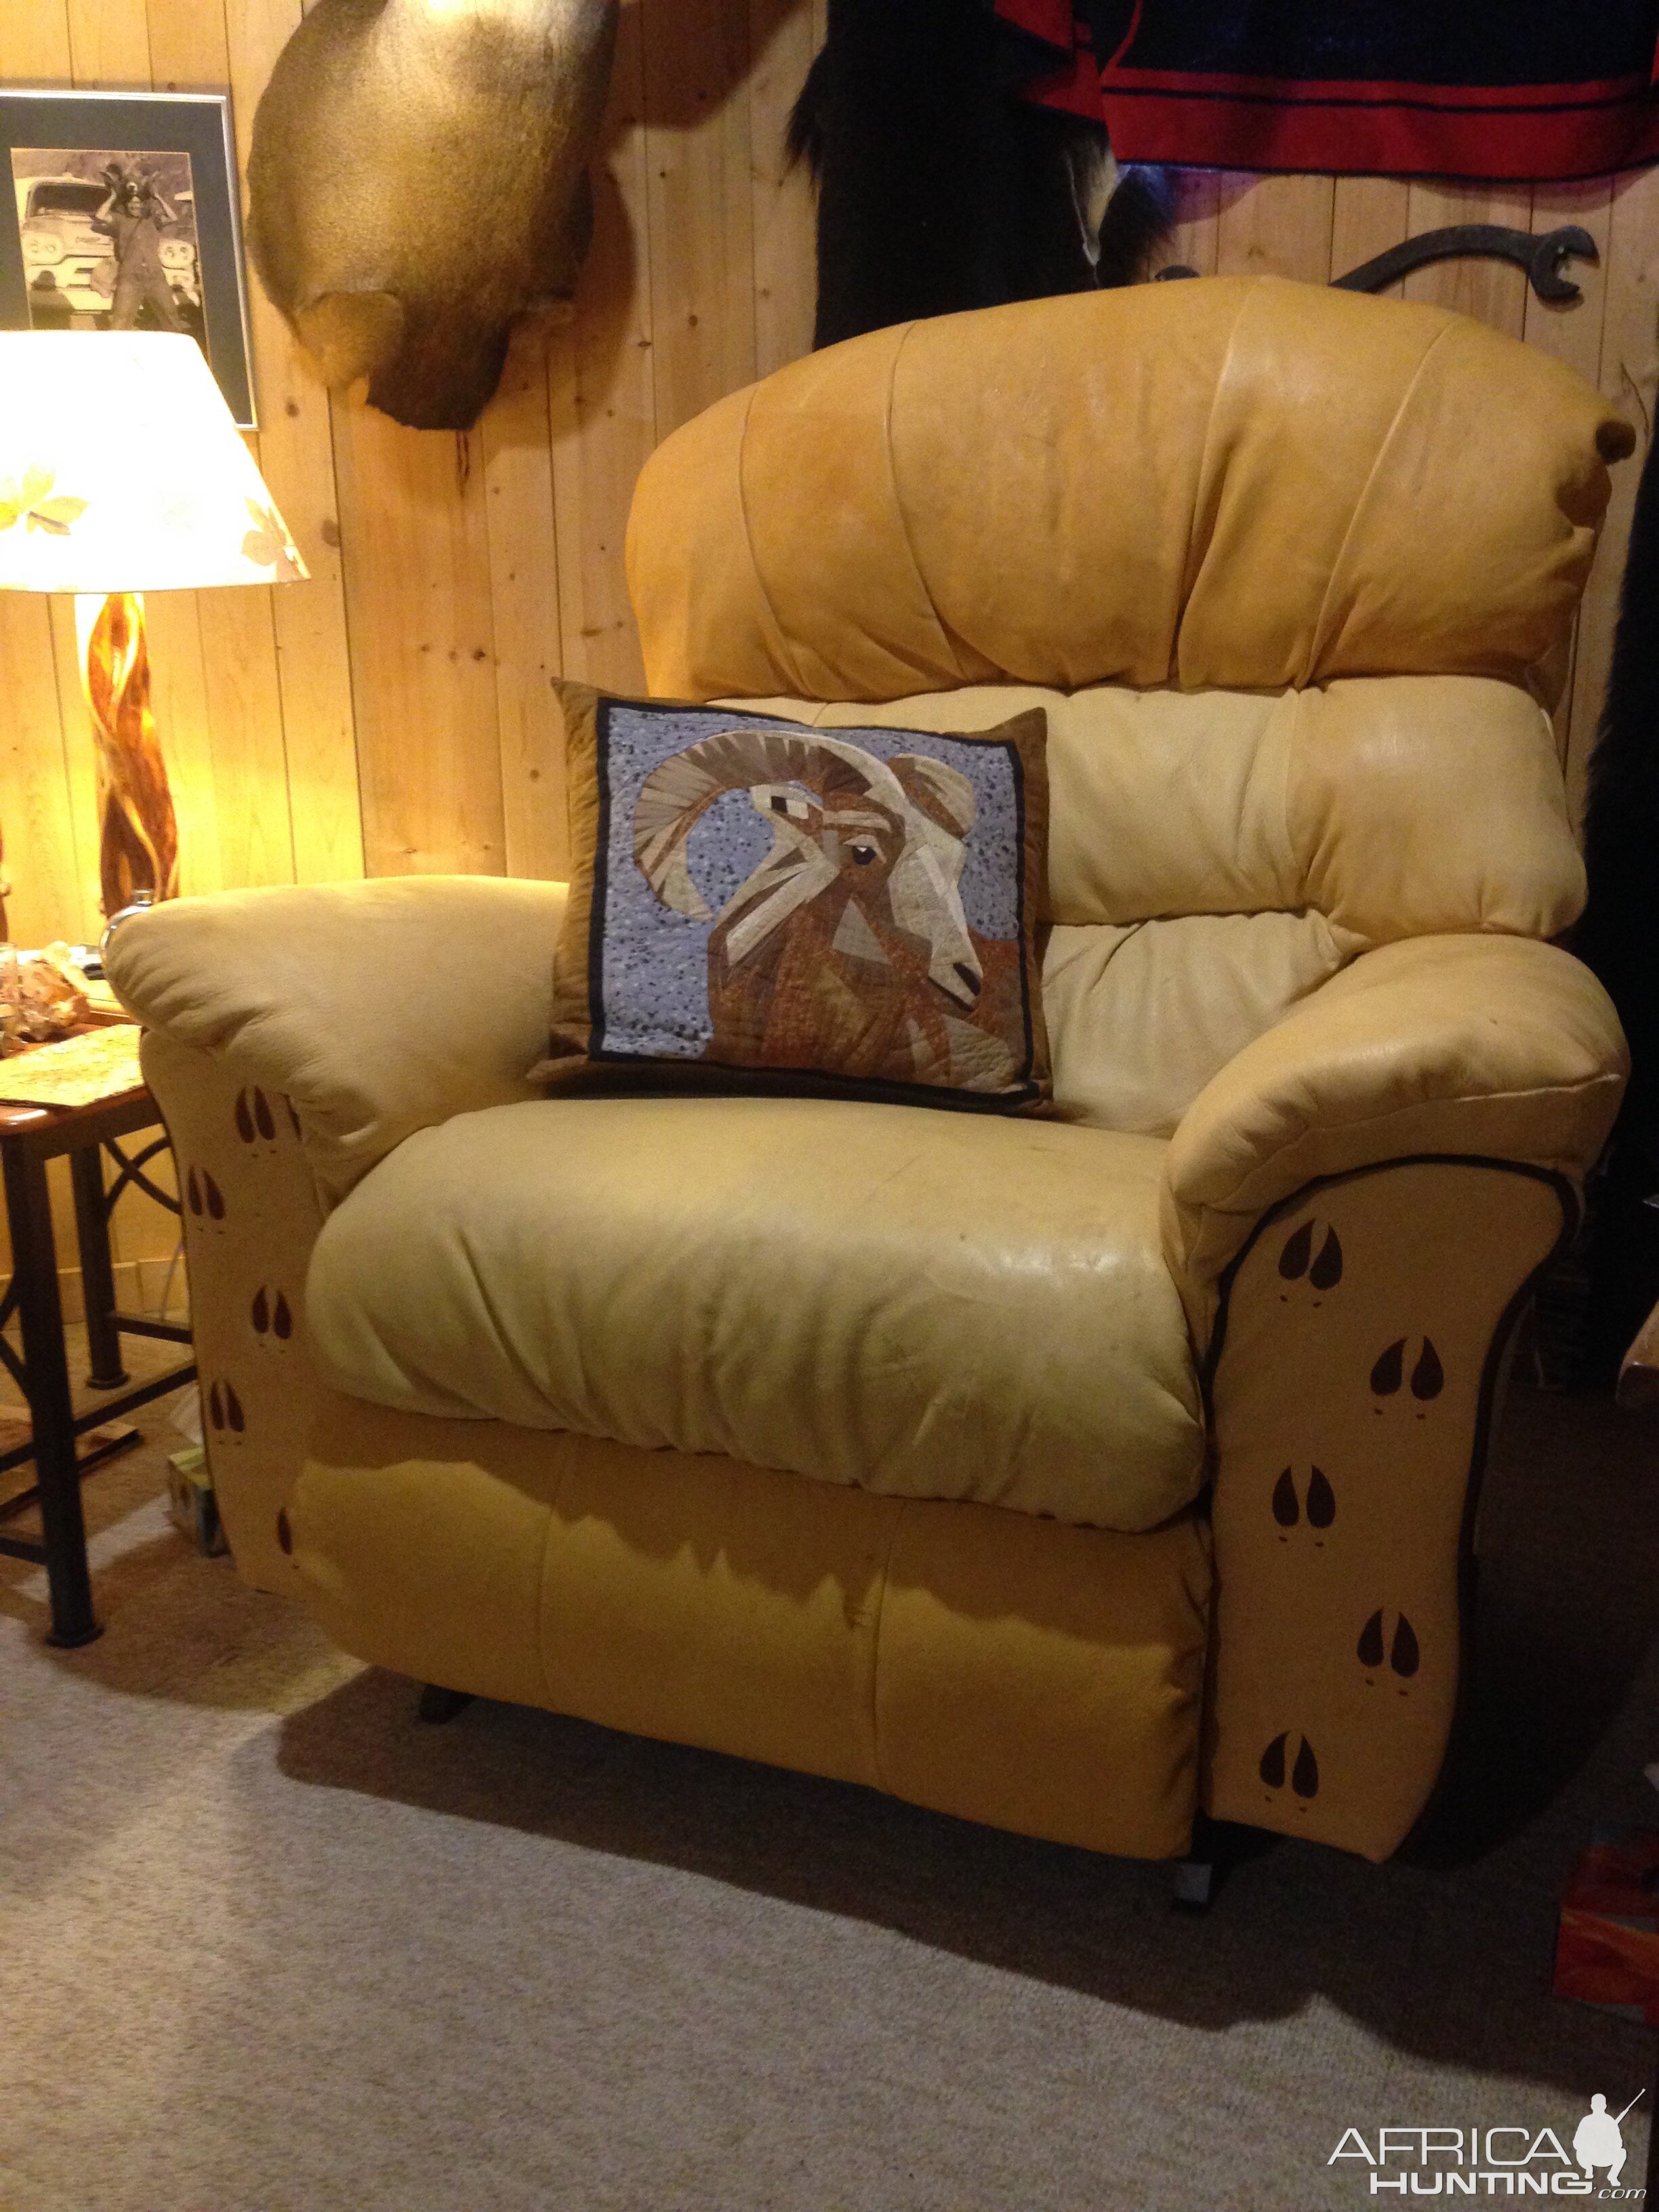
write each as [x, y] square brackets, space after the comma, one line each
[1277, 226]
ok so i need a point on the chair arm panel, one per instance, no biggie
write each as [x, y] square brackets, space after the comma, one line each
[1354, 1374]
[379, 1008]
[1487, 1047]
[250, 1213]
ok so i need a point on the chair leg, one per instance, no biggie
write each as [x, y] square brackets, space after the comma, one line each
[1198, 1876]
[437, 1705]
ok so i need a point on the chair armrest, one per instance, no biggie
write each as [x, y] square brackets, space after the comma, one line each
[378, 1008]
[1494, 1047]
[1354, 1208]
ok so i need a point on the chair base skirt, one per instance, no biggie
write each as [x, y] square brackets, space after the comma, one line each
[1017, 1671]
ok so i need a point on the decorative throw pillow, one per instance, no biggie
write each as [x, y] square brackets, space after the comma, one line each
[754, 894]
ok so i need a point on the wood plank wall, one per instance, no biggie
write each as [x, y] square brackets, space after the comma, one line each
[394, 716]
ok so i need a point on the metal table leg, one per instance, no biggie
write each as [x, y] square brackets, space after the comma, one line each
[34, 1263]
[97, 1271]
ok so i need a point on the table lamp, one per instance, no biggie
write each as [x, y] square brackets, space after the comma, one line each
[121, 471]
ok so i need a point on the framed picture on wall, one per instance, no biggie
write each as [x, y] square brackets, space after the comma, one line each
[122, 215]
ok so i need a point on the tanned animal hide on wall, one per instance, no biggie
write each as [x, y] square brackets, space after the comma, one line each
[938, 187]
[419, 177]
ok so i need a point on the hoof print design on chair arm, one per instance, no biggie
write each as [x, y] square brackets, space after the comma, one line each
[251, 1216]
[1438, 1255]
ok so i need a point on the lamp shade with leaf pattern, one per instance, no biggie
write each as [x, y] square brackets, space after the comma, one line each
[122, 471]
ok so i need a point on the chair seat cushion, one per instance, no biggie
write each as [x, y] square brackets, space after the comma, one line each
[927, 1304]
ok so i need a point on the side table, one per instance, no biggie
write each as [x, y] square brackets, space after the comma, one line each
[29, 1137]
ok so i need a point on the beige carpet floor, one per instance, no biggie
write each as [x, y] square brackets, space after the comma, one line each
[268, 1945]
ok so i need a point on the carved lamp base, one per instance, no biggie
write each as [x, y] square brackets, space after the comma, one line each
[138, 836]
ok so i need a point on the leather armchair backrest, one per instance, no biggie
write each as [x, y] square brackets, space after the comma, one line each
[1394, 807]
[1215, 856]
[1291, 570]
[1231, 481]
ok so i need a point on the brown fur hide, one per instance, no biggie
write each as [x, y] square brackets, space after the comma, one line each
[419, 178]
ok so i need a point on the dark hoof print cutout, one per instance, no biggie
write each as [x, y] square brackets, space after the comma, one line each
[204, 1196]
[1303, 1770]
[254, 1119]
[271, 1316]
[284, 1533]
[1320, 1506]
[1428, 1377]
[225, 1410]
[1404, 1654]
[1322, 1266]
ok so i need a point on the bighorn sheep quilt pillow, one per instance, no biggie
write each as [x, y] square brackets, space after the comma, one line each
[753, 894]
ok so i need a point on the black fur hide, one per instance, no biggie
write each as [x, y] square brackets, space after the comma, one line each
[938, 188]
[1618, 937]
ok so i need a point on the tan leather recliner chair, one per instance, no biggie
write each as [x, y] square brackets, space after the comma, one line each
[1067, 1474]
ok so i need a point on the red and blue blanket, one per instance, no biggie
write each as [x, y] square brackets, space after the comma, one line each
[1398, 88]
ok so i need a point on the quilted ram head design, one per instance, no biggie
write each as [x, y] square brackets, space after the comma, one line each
[847, 946]
[887, 836]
